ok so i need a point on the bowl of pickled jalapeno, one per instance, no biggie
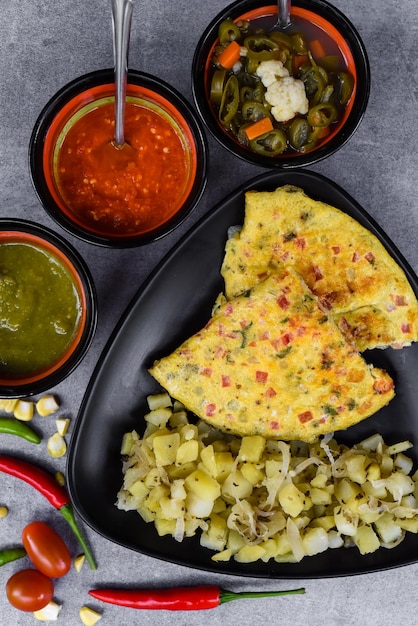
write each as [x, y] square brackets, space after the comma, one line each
[281, 97]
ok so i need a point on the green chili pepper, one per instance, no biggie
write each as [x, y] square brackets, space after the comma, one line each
[330, 62]
[281, 38]
[322, 114]
[11, 426]
[299, 43]
[261, 48]
[250, 93]
[299, 133]
[270, 144]
[314, 83]
[217, 86]
[228, 31]
[346, 86]
[230, 101]
[11, 554]
[253, 111]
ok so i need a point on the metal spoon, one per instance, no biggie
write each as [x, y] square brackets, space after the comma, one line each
[283, 17]
[122, 17]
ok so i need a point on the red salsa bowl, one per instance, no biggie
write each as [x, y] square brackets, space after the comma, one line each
[48, 308]
[112, 196]
[281, 98]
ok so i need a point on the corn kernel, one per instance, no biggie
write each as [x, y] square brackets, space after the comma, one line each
[49, 613]
[56, 445]
[23, 410]
[62, 424]
[60, 478]
[4, 511]
[47, 405]
[88, 616]
[79, 561]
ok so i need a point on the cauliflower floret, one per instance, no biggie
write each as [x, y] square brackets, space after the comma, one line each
[285, 94]
[271, 71]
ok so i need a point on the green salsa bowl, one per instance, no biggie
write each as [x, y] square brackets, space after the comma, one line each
[48, 310]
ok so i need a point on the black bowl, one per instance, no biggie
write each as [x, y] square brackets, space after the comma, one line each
[81, 95]
[327, 18]
[72, 270]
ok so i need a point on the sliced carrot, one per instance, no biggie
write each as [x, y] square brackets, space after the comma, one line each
[230, 55]
[298, 60]
[317, 49]
[259, 128]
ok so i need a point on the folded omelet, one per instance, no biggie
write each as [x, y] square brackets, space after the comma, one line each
[344, 264]
[272, 362]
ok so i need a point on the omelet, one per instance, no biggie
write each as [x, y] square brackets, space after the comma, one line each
[345, 265]
[272, 362]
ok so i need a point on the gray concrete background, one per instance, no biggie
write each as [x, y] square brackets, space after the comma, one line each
[46, 43]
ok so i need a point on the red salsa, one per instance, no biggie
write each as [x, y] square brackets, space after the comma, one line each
[122, 191]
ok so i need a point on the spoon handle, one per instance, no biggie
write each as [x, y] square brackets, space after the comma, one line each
[283, 19]
[122, 16]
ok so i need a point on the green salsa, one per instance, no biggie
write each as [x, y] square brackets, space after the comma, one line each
[40, 309]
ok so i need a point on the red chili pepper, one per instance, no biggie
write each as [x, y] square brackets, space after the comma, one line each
[179, 598]
[46, 484]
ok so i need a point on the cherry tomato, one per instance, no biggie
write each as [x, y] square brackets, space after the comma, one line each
[46, 549]
[29, 590]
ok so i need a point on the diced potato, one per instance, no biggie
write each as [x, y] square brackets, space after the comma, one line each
[178, 418]
[319, 481]
[215, 537]
[252, 473]
[165, 526]
[399, 485]
[198, 506]
[346, 490]
[139, 490]
[326, 522]
[203, 485]
[158, 417]
[411, 525]
[251, 448]
[320, 496]
[236, 486]
[249, 554]
[165, 449]
[187, 452]
[346, 522]
[356, 468]
[127, 443]
[403, 463]
[176, 472]
[172, 508]
[207, 455]
[366, 540]
[224, 465]
[291, 500]
[388, 528]
[159, 401]
[314, 541]
[373, 472]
